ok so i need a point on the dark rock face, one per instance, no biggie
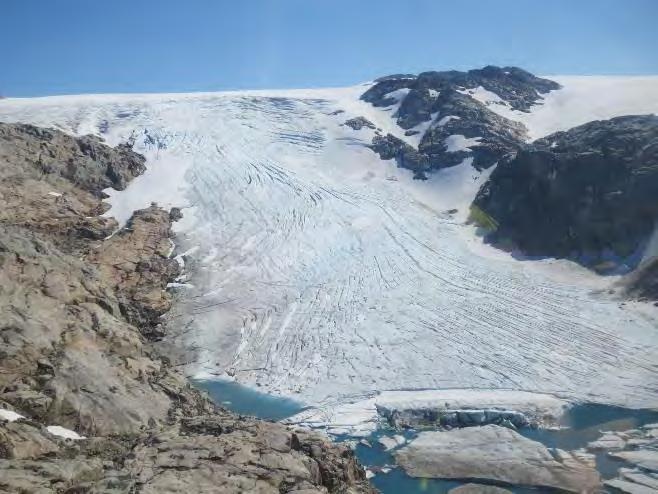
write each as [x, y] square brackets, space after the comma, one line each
[519, 88]
[416, 107]
[438, 98]
[357, 123]
[80, 313]
[588, 193]
[390, 147]
[463, 115]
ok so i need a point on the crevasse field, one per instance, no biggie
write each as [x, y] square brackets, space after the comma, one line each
[316, 270]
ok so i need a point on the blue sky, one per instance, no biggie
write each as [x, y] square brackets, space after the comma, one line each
[82, 46]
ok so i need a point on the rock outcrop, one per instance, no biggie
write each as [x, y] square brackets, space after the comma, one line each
[588, 194]
[468, 120]
[497, 454]
[514, 85]
[455, 125]
[81, 301]
[357, 123]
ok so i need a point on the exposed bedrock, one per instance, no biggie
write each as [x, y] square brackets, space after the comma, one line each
[588, 194]
[455, 126]
[86, 402]
[461, 115]
[520, 88]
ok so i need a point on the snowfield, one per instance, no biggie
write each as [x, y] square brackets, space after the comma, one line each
[317, 270]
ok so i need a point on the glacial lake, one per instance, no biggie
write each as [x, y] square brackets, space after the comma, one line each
[247, 401]
[582, 423]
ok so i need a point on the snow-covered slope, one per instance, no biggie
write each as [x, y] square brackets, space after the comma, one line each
[322, 272]
[581, 100]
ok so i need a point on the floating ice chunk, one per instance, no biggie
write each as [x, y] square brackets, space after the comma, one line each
[629, 487]
[643, 458]
[57, 430]
[608, 441]
[392, 442]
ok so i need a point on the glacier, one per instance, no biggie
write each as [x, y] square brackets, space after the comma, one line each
[318, 271]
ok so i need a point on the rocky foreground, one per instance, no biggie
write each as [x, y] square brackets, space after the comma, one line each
[86, 402]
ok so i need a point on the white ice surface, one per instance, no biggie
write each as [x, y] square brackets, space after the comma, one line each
[458, 142]
[59, 431]
[398, 94]
[328, 274]
[9, 416]
[581, 100]
[360, 417]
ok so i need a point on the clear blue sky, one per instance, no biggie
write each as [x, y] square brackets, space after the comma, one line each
[76, 46]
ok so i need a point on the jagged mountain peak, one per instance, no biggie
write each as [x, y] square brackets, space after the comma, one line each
[519, 88]
[452, 123]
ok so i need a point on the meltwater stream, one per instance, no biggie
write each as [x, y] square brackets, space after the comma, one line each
[581, 425]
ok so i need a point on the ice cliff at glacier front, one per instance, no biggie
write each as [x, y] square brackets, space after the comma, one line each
[318, 270]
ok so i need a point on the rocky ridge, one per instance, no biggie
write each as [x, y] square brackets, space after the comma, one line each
[454, 125]
[86, 402]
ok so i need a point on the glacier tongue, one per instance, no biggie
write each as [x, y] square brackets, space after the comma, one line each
[318, 270]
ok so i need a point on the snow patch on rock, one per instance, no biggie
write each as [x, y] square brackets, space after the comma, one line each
[10, 416]
[457, 142]
[64, 433]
